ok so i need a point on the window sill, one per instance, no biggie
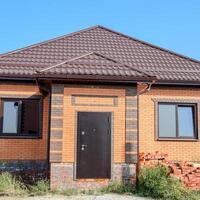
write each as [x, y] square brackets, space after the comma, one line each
[178, 139]
[19, 137]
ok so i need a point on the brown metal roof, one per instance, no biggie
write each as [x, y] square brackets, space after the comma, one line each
[93, 64]
[125, 57]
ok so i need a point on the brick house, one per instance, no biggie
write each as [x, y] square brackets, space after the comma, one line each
[84, 105]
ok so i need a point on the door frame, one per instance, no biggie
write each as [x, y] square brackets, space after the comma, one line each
[111, 142]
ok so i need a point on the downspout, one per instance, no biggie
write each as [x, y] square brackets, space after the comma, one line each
[48, 92]
[144, 90]
[147, 89]
[49, 132]
[44, 89]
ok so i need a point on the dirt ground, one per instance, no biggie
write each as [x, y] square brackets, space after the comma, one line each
[78, 197]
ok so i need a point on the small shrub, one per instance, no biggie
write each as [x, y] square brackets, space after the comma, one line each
[40, 188]
[153, 181]
[118, 187]
[157, 183]
[10, 185]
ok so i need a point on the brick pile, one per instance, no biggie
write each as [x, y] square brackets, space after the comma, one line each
[187, 172]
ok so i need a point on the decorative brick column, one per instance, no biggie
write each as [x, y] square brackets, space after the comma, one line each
[56, 123]
[131, 126]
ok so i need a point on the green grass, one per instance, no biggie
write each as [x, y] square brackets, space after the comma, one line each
[153, 182]
[11, 186]
[40, 188]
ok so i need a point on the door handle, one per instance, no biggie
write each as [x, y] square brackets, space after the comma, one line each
[83, 146]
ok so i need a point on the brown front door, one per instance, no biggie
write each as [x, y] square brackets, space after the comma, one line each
[93, 145]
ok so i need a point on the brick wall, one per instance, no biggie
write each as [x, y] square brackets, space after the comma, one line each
[66, 101]
[24, 149]
[176, 150]
[101, 105]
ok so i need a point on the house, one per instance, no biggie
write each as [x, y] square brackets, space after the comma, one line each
[84, 105]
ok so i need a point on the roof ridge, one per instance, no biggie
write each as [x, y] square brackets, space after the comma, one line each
[150, 44]
[50, 40]
[64, 62]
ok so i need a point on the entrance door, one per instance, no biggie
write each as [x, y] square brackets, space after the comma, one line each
[93, 145]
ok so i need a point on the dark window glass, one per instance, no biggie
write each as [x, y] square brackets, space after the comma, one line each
[21, 117]
[176, 120]
[30, 117]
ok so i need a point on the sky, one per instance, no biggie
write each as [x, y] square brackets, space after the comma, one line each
[171, 24]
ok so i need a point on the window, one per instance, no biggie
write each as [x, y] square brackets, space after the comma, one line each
[177, 121]
[20, 117]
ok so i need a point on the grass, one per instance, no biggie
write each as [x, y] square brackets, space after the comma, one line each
[11, 186]
[153, 182]
[40, 188]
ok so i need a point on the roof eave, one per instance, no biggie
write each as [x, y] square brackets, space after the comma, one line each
[17, 77]
[177, 82]
[96, 78]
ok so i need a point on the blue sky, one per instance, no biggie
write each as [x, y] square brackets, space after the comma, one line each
[172, 24]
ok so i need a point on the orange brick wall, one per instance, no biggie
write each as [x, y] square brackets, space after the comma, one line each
[177, 150]
[25, 149]
[98, 104]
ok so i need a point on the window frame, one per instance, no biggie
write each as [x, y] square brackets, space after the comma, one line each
[19, 135]
[195, 121]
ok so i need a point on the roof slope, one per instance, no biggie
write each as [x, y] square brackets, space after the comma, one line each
[92, 64]
[165, 65]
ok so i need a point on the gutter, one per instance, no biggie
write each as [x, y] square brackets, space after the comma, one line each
[99, 79]
[195, 83]
[17, 78]
[95, 79]
[49, 133]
